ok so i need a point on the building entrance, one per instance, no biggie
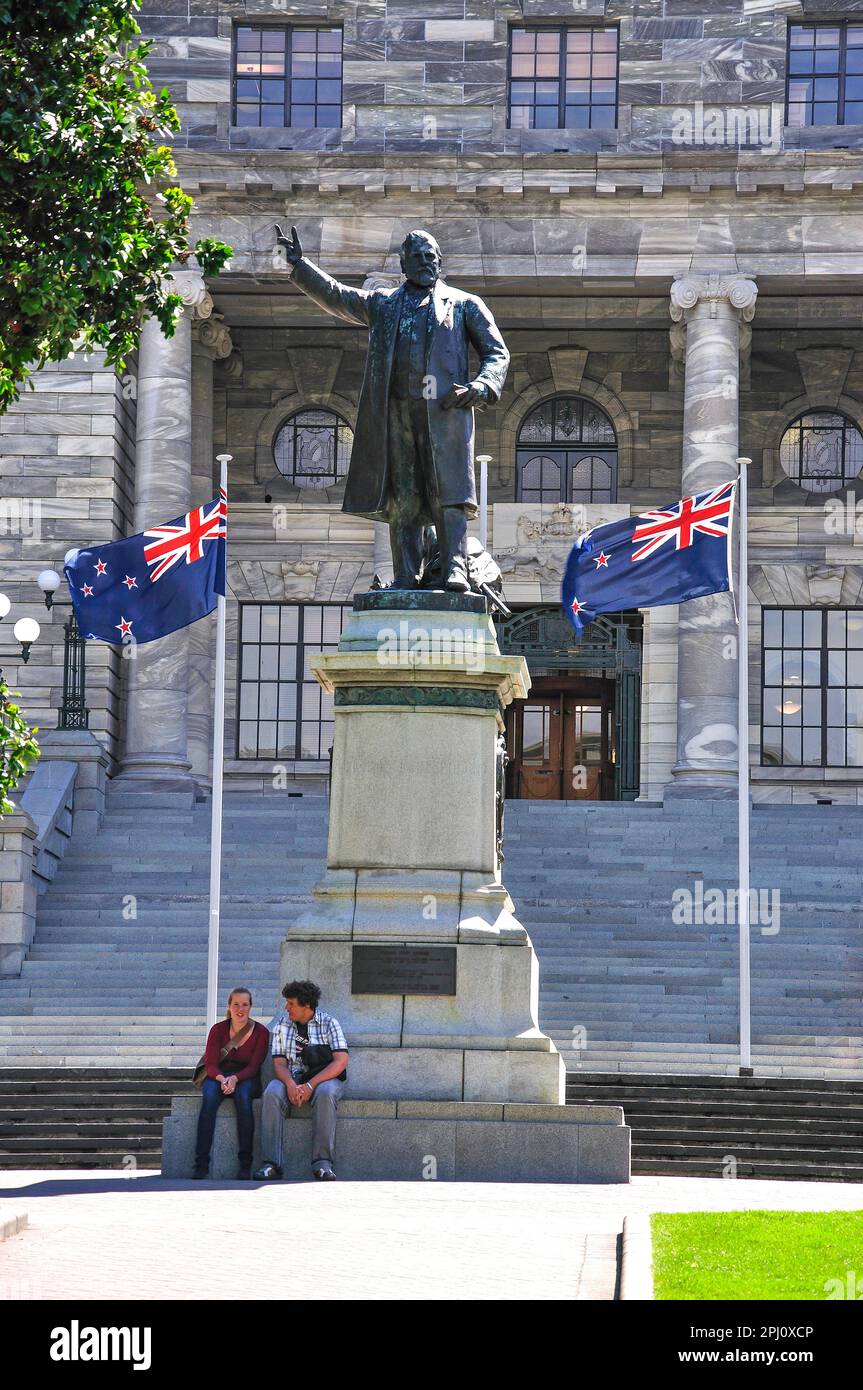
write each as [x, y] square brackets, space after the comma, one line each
[561, 741]
[576, 736]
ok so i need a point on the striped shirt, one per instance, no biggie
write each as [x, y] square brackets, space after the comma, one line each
[323, 1028]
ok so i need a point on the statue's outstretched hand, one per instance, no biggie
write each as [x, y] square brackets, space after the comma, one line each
[293, 247]
[463, 396]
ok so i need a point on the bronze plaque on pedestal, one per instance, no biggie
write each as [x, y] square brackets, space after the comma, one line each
[403, 970]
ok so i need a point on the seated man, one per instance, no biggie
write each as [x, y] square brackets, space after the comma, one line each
[303, 1025]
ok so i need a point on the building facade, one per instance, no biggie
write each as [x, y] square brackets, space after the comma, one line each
[660, 202]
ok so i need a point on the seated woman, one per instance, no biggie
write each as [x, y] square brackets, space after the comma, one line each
[235, 1052]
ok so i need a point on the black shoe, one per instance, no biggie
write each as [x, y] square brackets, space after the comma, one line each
[324, 1173]
[200, 1173]
[268, 1172]
[244, 1172]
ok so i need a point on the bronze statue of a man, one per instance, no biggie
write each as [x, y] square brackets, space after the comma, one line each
[412, 460]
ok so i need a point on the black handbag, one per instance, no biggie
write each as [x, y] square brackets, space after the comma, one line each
[315, 1057]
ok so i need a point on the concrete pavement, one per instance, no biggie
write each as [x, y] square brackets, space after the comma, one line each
[137, 1236]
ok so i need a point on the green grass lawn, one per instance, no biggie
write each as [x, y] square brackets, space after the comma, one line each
[758, 1254]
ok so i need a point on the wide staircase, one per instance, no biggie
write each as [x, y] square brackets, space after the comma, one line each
[115, 980]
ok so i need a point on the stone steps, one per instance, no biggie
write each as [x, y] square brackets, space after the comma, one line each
[735, 1126]
[592, 884]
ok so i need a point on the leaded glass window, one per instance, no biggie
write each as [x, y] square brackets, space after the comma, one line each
[313, 448]
[821, 451]
[566, 452]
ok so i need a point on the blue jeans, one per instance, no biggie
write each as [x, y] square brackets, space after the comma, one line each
[212, 1096]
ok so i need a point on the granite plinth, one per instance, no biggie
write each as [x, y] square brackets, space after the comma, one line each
[410, 1140]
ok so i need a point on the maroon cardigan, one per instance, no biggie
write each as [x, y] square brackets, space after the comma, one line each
[251, 1054]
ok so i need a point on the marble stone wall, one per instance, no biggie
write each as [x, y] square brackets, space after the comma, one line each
[438, 82]
[66, 479]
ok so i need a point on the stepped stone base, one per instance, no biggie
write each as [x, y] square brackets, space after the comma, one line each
[415, 1140]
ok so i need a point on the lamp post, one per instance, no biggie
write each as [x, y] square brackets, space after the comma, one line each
[74, 713]
[25, 631]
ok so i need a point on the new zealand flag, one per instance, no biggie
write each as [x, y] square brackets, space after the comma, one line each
[149, 585]
[666, 556]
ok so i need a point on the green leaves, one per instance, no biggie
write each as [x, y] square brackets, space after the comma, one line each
[90, 220]
[18, 747]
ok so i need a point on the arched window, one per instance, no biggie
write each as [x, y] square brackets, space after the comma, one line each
[566, 452]
[313, 448]
[821, 451]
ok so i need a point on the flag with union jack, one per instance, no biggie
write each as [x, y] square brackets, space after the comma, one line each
[669, 555]
[148, 585]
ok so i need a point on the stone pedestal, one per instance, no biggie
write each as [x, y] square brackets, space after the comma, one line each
[413, 861]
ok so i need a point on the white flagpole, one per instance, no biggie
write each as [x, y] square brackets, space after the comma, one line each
[743, 767]
[483, 460]
[218, 766]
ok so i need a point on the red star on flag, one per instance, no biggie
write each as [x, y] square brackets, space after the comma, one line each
[601, 560]
[87, 590]
[576, 606]
[101, 567]
[123, 627]
[130, 582]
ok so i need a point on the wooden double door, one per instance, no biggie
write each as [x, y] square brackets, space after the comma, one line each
[560, 741]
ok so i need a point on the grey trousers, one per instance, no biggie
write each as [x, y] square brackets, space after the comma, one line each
[275, 1109]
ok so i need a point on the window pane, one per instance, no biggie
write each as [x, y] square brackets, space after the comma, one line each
[855, 668]
[793, 628]
[248, 701]
[812, 707]
[835, 747]
[773, 705]
[835, 706]
[287, 739]
[812, 668]
[772, 667]
[772, 747]
[251, 623]
[812, 747]
[792, 706]
[269, 663]
[303, 116]
[855, 709]
[836, 629]
[792, 666]
[269, 624]
[249, 666]
[290, 624]
[772, 627]
[812, 629]
[791, 747]
[267, 740]
[836, 668]
[248, 744]
[855, 748]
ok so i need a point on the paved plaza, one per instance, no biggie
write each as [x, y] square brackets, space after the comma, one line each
[112, 1236]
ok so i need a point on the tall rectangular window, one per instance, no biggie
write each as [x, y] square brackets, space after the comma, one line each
[812, 688]
[562, 78]
[287, 76]
[283, 712]
[825, 73]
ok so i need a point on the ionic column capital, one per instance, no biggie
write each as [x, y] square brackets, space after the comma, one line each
[739, 291]
[189, 284]
[213, 336]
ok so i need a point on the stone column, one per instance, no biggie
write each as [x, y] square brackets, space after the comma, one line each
[156, 752]
[211, 341]
[713, 309]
